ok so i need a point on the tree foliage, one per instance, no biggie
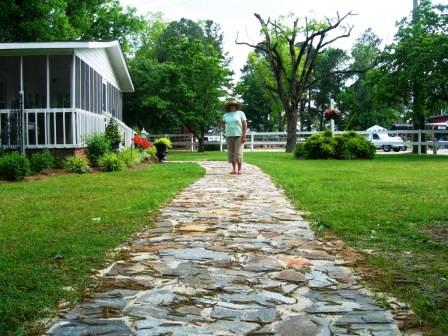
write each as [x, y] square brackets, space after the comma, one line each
[261, 106]
[180, 77]
[50, 20]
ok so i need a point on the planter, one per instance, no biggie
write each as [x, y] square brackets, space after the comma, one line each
[161, 151]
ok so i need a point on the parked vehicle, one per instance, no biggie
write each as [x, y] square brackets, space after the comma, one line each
[386, 142]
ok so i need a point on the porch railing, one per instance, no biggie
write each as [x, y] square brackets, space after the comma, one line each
[58, 128]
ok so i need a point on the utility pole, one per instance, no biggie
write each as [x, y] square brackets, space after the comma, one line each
[414, 8]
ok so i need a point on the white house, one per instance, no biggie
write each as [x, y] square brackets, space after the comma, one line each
[54, 94]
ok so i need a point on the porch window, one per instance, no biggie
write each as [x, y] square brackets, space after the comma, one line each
[60, 80]
[35, 81]
[9, 81]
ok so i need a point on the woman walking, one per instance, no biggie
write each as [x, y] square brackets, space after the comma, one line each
[235, 132]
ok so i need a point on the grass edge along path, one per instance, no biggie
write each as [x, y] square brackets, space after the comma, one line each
[55, 231]
[393, 205]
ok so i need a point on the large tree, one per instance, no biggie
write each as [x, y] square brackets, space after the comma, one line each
[292, 51]
[37, 20]
[325, 89]
[181, 78]
[415, 65]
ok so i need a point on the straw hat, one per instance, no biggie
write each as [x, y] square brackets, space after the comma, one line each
[232, 102]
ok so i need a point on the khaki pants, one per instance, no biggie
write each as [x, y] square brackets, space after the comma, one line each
[234, 149]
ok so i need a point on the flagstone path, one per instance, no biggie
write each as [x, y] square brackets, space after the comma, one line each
[228, 256]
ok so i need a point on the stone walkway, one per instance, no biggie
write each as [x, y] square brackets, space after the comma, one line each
[228, 256]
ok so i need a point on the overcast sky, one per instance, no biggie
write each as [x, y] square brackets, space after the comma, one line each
[236, 16]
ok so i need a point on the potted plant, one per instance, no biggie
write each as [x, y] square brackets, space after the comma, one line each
[113, 134]
[162, 145]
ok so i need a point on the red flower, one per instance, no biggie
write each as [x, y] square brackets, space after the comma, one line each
[331, 114]
[140, 142]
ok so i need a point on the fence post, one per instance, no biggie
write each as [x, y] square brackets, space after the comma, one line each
[220, 141]
[192, 142]
[434, 143]
[419, 142]
[251, 142]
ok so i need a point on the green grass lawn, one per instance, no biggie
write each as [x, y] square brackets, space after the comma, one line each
[54, 231]
[396, 205]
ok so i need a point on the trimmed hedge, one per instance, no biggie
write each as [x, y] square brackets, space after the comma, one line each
[348, 146]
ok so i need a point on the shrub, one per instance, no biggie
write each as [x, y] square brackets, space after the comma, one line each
[97, 146]
[14, 167]
[130, 157]
[320, 146]
[348, 146]
[300, 151]
[75, 164]
[112, 133]
[110, 162]
[140, 143]
[41, 161]
[351, 145]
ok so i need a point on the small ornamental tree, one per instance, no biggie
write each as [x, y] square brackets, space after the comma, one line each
[112, 133]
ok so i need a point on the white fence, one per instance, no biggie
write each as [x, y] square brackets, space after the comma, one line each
[435, 139]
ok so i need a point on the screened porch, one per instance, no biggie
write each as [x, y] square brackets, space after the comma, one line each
[58, 100]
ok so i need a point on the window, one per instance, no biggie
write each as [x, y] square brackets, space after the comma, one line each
[35, 81]
[9, 81]
[104, 94]
[91, 91]
[78, 83]
[376, 137]
[60, 79]
[84, 79]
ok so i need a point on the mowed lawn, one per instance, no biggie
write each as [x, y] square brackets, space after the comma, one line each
[55, 231]
[396, 205]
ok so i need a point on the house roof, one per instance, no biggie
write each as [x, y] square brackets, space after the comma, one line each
[112, 48]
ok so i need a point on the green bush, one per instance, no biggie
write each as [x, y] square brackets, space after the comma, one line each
[75, 164]
[347, 146]
[130, 157]
[41, 161]
[110, 162]
[351, 146]
[97, 146]
[112, 133]
[14, 167]
[320, 146]
[300, 151]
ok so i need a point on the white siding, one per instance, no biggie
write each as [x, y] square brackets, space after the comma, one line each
[99, 61]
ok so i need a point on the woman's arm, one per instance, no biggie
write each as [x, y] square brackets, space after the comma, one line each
[243, 137]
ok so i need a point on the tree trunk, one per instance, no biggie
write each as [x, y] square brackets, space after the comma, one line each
[291, 137]
[201, 142]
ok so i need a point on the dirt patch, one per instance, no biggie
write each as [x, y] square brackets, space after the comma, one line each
[438, 231]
